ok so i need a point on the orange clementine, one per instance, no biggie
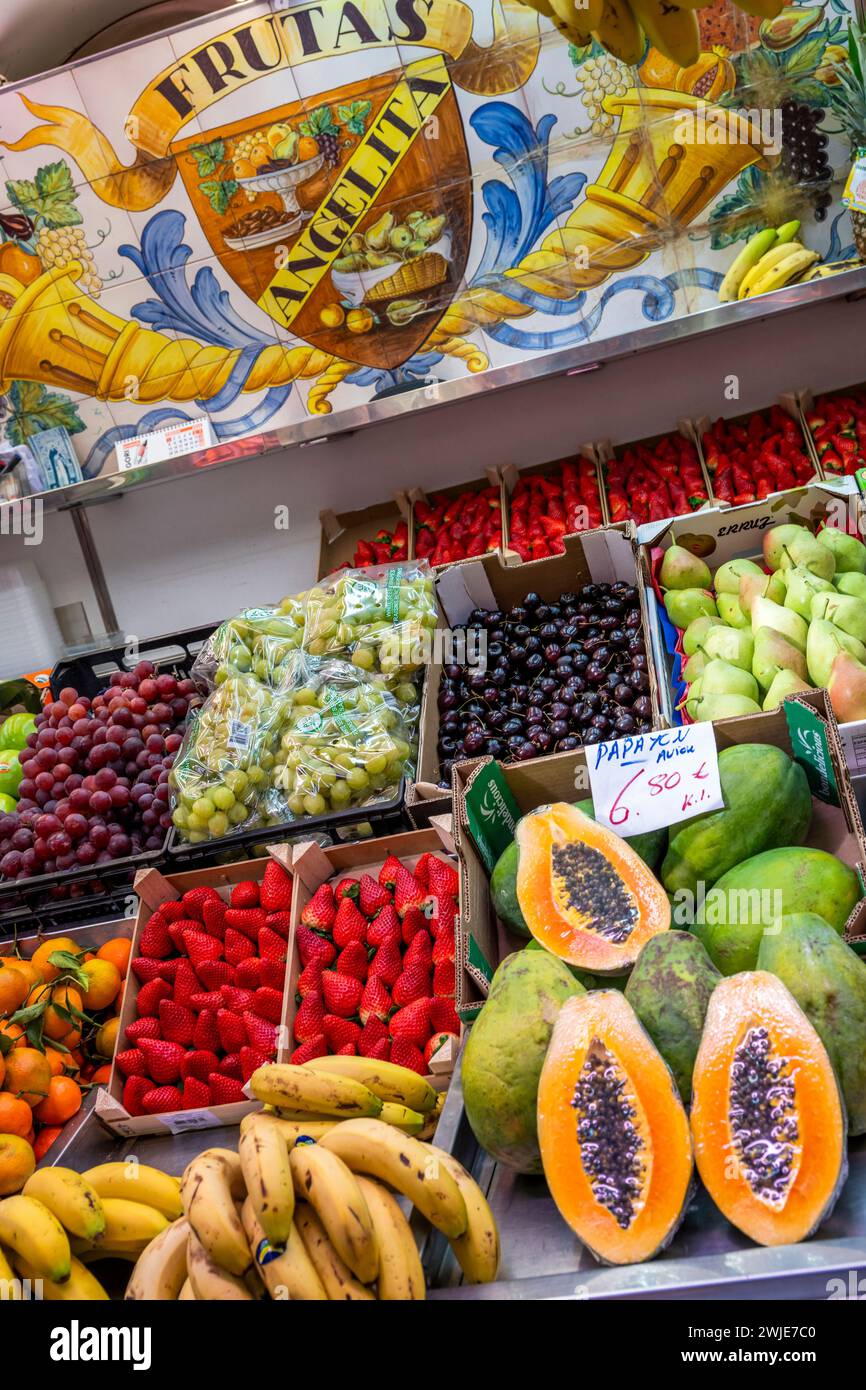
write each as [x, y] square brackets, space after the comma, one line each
[55, 1024]
[118, 951]
[103, 984]
[28, 1074]
[44, 1139]
[16, 1117]
[2, 1070]
[13, 1031]
[101, 1076]
[30, 1136]
[106, 1038]
[62, 1102]
[71, 1040]
[56, 1060]
[42, 953]
[13, 989]
[17, 1162]
[31, 972]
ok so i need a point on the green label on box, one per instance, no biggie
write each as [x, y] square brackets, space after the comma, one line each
[492, 814]
[860, 476]
[812, 750]
[479, 960]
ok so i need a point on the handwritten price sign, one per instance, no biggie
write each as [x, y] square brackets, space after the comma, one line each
[653, 780]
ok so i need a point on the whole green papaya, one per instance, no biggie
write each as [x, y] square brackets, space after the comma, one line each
[669, 990]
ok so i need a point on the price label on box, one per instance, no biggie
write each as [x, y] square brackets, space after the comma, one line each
[649, 781]
[175, 441]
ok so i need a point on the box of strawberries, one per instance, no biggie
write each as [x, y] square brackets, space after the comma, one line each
[653, 478]
[372, 967]
[206, 996]
[751, 457]
[836, 423]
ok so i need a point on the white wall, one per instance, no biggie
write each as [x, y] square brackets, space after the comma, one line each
[194, 551]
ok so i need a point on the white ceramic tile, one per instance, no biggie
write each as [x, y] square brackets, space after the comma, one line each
[59, 89]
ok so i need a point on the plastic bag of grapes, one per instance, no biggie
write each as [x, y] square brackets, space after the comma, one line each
[345, 743]
[381, 618]
[223, 769]
[258, 642]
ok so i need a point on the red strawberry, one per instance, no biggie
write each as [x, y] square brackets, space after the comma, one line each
[177, 929]
[251, 1060]
[237, 947]
[353, 961]
[438, 1040]
[135, 1088]
[412, 984]
[215, 973]
[349, 925]
[161, 1100]
[422, 870]
[231, 1029]
[132, 1062]
[145, 968]
[389, 871]
[196, 1093]
[313, 947]
[346, 888]
[249, 972]
[236, 999]
[155, 942]
[385, 928]
[308, 1019]
[214, 915]
[276, 893]
[171, 910]
[413, 923]
[375, 1001]
[168, 969]
[444, 914]
[372, 896]
[199, 1062]
[382, 1051]
[195, 898]
[177, 1023]
[231, 1066]
[206, 1033]
[342, 993]
[443, 1016]
[272, 973]
[143, 1028]
[314, 1047]
[387, 963]
[340, 1031]
[419, 952]
[245, 894]
[373, 1032]
[412, 1022]
[201, 947]
[444, 979]
[271, 946]
[149, 995]
[248, 920]
[163, 1059]
[310, 978]
[404, 1053]
[280, 922]
[407, 892]
[442, 878]
[349, 1050]
[444, 947]
[268, 1003]
[321, 910]
[225, 1090]
[209, 999]
[186, 983]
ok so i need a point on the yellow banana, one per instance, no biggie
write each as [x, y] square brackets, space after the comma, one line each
[302, 1088]
[619, 32]
[400, 1277]
[137, 1182]
[331, 1188]
[579, 16]
[785, 271]
[210, 1186]
[264, 1156]
[186, 1294]
[130, 1223]
[386, 1080]
[160, 1270]
[432, 1118]
[746, 259]
[80, 1287]
[73, 1200]
[292, 1128]
[91, 1254]
[673, 31]
[336, 1277]
[780, 252]
[410, 1121]
[10, 1291]
[34, 1233]
[368, 1146]
[289, 1273]
[477, 1251]
[209, 1281]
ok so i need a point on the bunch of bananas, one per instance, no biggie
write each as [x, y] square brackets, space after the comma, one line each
[769, 260]
[62, 1221]
[624, 26]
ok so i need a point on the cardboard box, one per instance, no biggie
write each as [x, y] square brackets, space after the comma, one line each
[790, 403]
[341, 534]
[512, 475]
[483, 942]
[806, 403]
[606, 451]
[491, 479]
[154, 888]
[603, 556]
[312, 866]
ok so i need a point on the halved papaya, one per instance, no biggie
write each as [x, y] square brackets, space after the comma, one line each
[767, 1118]
[585, 894]
[613, 1133]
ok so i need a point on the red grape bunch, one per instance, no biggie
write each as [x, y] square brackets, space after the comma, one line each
[95, 775]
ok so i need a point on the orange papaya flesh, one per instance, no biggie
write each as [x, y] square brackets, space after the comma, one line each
[612, 1130]
[585, 894]
[767, 1117]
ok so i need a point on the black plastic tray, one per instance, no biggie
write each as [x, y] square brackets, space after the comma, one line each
[90, 672]
[34, 901]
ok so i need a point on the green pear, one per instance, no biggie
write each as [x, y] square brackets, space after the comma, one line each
[784, 683]
[847, 551]
[847, 688]
[683, 570]
[728, 576]
[730, 611]
[753, 586]
[695, 666]
[825, 642]
[732, 644]
[765, 613]
[697, 631]
[802, 586]
[724, 707]
[848, 613]
[721, 678]
[774, 653]
[693, 701]
[775, 541]
[850, 582]
[806, 550]
[684, 605]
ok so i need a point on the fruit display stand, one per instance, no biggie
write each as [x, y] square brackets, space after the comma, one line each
[345, 536]
[773, 465]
